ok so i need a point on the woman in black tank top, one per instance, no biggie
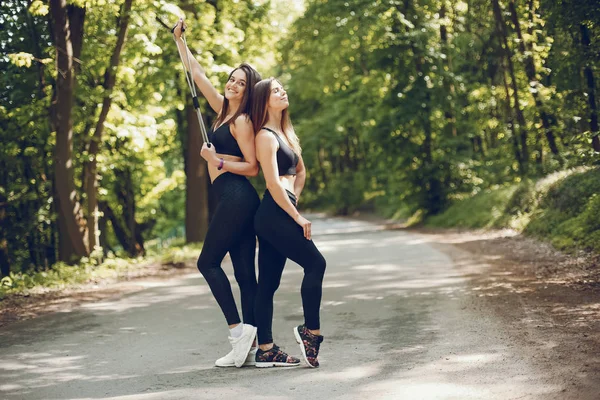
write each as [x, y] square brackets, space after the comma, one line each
[230, 159]
[282, 232]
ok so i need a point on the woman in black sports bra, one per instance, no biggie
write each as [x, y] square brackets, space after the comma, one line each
[230, 159]
[282, 232]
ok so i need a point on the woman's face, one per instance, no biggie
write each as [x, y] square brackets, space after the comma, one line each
[278, 99]
[236, 86]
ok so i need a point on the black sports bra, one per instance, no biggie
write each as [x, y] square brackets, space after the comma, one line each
[287, 160]
[224, 141]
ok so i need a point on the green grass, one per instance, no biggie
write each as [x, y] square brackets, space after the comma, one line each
[569, 214]
[563, 208]
[61, 275]
[483, 210]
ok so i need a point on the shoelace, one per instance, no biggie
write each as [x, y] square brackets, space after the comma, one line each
[274, 353]
[317, 344]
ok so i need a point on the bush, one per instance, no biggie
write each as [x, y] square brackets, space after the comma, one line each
[62, 275]
[480, 211]
[563, 207]
[570, 195]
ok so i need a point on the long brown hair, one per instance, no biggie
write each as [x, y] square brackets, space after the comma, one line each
[260, 113]
[252, 76]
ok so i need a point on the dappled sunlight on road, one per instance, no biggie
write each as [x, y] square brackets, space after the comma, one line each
[395, 316]
[44, 370]
[364, 371]
[441, 379]
[165, 293]
[462, 236]
[583, 314]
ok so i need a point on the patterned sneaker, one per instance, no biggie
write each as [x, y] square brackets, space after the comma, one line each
[309, 344]
[227, 360]
[275, 357]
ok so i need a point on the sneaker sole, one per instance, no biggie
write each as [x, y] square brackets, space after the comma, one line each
[246, 364]
[299, 341]
[249, 347]
[274, 364]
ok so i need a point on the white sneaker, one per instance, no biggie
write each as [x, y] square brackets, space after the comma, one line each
[227, 360]
[241, 345]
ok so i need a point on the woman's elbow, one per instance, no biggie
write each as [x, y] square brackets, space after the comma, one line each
[253, 170]
[271, 184]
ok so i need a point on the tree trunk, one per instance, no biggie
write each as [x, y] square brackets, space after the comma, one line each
[120, 231]
[527, 53]
[71, 236]
[4, 259]
[433, 196]
[92, 166]
[126, 194]
[35, 39]
[448, 86]
[127, 231]
[76, 19]
[511, 124]
[501, 28]
[196, 172]
[103, 237]
[589, 77]
[139, 233]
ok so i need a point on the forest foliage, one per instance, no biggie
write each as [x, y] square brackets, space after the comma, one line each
[401, 106]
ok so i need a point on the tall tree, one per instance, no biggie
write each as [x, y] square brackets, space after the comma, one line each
[447, 66]
[91, 166]
[591, 88]
[4, 260]
[197, 181]
[520, 118]
[526, 49]
[67, 22]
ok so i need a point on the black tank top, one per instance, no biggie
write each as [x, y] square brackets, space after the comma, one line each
[224, 141]
[287, 160]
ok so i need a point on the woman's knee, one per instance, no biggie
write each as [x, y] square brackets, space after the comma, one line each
[245, 279]
[204, 265]
[268, 288]
[319, 265]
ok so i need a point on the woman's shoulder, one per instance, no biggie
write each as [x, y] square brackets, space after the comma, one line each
[265, 137]
[241, 123]
[241, 120]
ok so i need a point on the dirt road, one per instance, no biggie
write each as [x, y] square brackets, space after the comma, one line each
[404, 315]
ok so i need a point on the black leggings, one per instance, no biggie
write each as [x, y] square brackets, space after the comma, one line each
[231, 230]
[279, 238]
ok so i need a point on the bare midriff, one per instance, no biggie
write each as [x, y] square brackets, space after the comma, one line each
[214, 173]
[287, 181]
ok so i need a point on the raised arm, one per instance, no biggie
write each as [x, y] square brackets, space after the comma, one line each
[214, 98]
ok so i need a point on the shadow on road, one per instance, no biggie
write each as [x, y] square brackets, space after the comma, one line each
[402, 320]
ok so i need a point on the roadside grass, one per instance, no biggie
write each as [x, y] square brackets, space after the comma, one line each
[112, 268]
[563, 208]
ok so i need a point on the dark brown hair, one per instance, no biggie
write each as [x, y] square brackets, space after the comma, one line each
[260, 113]
[252, 76]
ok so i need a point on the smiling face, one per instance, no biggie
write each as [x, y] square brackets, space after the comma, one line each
[236, 85]
[278, 99]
